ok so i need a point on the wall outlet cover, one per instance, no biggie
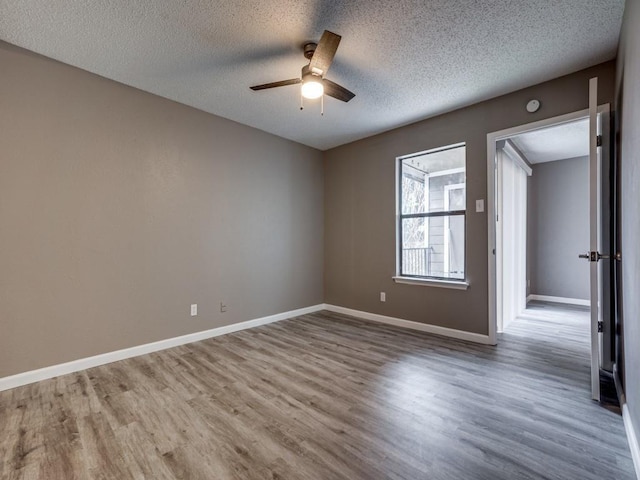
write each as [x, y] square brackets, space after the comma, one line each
[194, 309]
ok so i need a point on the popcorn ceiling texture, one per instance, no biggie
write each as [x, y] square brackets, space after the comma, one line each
[559, 142]
[405, 60]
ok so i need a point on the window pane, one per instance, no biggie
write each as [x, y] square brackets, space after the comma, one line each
[433, 247]
[423, 246]
[426, 177]
[454, 242]
[432, 186]
[413, 191]
[414, 232]
[455, 197]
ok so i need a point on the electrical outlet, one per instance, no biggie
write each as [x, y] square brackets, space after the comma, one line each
[383, 297]
[223, 307]
[194, 309]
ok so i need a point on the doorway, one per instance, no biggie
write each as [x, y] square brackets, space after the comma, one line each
[542, 219]
[510, 278]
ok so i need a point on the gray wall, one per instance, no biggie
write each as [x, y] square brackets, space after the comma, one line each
[118, 209]
[628, 114]
[531, 216]
[360, 244]
[558, 228]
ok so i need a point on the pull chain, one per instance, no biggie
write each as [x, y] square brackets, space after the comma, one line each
[322, 105]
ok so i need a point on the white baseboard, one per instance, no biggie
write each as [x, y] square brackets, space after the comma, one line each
[568, 301]
[33, 376]
[634, 446]
[423, 327]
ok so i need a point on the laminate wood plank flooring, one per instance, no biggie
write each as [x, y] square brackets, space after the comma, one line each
[326, 396]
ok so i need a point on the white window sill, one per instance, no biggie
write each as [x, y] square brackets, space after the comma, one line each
[432, 282]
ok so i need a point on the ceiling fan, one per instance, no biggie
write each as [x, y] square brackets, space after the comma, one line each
[314, 83]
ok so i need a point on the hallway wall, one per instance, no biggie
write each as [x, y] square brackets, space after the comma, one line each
[558, 228]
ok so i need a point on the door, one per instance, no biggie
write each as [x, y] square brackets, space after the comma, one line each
[511, 233]
[598, 237]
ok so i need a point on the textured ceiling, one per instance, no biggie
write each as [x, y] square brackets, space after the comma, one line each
[406, 60]
[560, 142]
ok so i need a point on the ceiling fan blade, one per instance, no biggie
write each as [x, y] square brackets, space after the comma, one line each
[337, 91]
[325, 51]
[281, 83]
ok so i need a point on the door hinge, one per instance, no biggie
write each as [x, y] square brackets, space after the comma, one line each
[600, 326]
[599, 140]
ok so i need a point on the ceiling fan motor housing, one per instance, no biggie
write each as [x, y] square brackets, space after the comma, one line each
[309, 50]
[307, 71]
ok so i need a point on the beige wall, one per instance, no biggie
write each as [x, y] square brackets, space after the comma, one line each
[118, 209]
[360, 204]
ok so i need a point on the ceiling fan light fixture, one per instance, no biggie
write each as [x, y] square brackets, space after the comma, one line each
[312, 86]
[313, 75]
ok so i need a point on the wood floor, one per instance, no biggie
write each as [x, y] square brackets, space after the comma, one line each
[325, 396]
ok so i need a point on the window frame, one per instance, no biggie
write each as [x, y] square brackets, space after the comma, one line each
[431, 280]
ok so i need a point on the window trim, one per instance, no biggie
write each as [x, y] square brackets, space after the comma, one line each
[400, 277]
[431, 282]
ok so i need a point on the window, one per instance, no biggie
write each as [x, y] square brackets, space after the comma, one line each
[431, 214]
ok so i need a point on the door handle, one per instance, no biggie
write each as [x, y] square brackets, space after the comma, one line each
[595, 256]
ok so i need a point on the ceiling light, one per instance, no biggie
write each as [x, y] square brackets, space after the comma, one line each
[312, 86]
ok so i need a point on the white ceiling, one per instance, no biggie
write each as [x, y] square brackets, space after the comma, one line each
[560, 142]
[406, 60]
